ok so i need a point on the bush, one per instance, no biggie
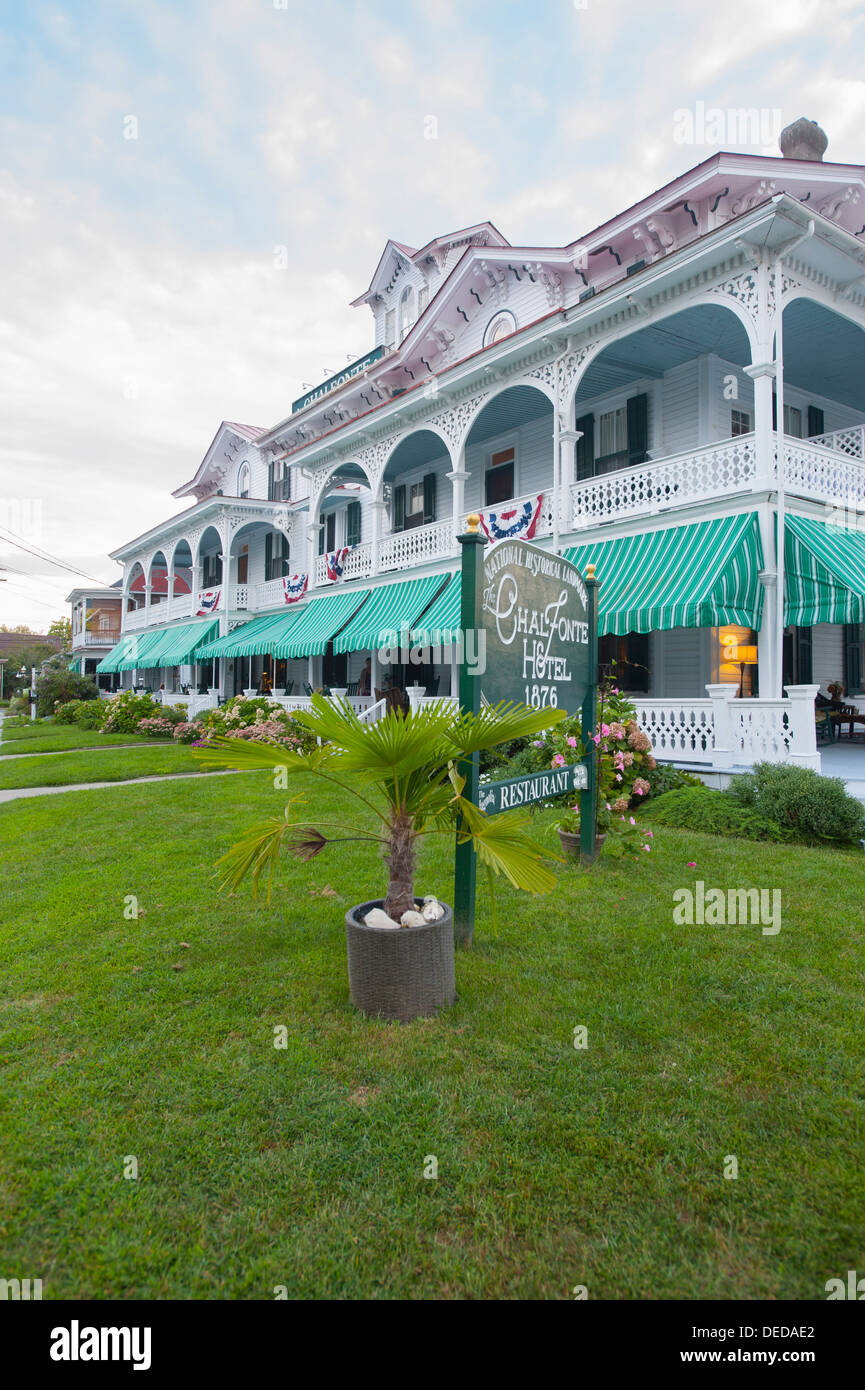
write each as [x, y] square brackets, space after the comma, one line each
[663, 777]
[810, 806]
[56, 686]
[188, 732]
[716, 813]
[157, 727]
[257, 718]
[125, 711]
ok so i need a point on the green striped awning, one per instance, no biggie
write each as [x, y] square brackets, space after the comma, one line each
[700, 575]
[389, 612]
[440, 625]
[259, 637]
[118, 659]
[824, 573]
[164, 646]
[321, 619]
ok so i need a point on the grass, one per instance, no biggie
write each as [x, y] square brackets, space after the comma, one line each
[96, 765]
[303, 1166]
[58, 738]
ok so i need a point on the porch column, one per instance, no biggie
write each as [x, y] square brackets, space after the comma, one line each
[720, 695]
[313, 532]
[458, 479]
[767, 640]
[169, 592]
[763, 375]
[148, 581]
[568, 441]
[195, 581]
[379, 527]
[803, 749]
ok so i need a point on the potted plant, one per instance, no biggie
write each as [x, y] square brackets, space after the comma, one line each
[568, 827]
[403, 772]
[836, 690]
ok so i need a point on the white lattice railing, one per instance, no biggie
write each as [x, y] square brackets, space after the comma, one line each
[761, 731]
[357, 565]
[679, 730]
[416, 547]
[813, 470]
[850, 442]
[714, 470]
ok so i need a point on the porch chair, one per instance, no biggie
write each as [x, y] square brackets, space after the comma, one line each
[307, 688]
[289, 686]
[351, 689]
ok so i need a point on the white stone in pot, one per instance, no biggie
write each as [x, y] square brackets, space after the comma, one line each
[432, 909]
[413, 919]
[377, 918]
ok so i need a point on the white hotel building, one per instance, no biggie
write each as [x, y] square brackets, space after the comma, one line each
[627, 395]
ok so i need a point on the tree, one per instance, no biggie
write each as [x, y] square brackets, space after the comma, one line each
[61, 627]
[56, 684]
[405, 771]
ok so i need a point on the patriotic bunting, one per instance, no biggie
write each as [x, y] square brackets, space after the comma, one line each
[334, 562]
[208, 602]
[515, 521]
[295, 587]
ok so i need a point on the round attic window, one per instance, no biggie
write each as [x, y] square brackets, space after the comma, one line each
[499, 327]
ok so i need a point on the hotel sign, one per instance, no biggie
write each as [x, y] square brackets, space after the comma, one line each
[352, 370]
[537, 786]
[536, 619]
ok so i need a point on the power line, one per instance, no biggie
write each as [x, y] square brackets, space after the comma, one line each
[52, 560]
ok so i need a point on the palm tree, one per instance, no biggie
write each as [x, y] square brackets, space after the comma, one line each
[406, 771]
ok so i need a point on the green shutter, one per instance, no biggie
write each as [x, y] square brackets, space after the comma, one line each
[321, 527]
[270, 481]
[399, 508]
[816, 422]
[268, 554]
[429, 498]
[352, 524]
[638, 429]
[854, 640]
[586, 447]
[804, 663]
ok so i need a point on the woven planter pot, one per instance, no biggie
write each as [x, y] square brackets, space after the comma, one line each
[402, 974]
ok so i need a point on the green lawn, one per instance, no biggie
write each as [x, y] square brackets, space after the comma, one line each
[96, 765]
[304, 1167]
[57, 738]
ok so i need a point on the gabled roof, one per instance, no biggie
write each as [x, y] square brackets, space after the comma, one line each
[199, 486]
[493, 235]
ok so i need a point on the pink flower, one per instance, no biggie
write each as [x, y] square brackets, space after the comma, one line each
[647, 848]
[558, 761]
[692, 863]
[596, 738]
[605, 730]
[631, 819]
[616, 690]
[571, 741]
[651, 834]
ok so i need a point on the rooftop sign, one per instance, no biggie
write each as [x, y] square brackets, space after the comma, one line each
[352, 370]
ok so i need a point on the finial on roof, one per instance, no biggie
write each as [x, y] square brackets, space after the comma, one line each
[803, 140]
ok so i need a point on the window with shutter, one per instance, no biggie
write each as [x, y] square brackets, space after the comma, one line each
[854, 658]
[268, 556]
[352, 524]
[638, 429]
[429, 498]
[399, 508]
[586, 446]
[816, 423]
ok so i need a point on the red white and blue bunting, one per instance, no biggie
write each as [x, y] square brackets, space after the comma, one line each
[514, 521]
[208, 602]
[334, 562]
[295, 587]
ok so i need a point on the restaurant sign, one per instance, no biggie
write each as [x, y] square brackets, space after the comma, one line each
[537, 786]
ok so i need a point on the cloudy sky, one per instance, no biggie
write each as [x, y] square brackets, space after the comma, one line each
[155, 156]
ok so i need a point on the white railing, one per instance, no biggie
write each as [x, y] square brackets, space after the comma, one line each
[850, 442]
[813, 470]
[179, 607]
[96, 639]
[679, 730]
[239, 598]
[423, 543]
[270, 594]
[137, 617]
[714, 470]
[373, 713]
[357, 565]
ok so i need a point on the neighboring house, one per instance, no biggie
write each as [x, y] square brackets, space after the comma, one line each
[96, 628]
[617, 397]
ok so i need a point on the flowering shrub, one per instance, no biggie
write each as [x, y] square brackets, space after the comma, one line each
[157, 727]
[625, 837]
[259, 719]
[125, 711]
[188, 732]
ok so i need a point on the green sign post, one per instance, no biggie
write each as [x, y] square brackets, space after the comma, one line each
[537, 621]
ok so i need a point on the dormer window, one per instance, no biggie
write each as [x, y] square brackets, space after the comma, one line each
[406, 312]
[243, 481]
